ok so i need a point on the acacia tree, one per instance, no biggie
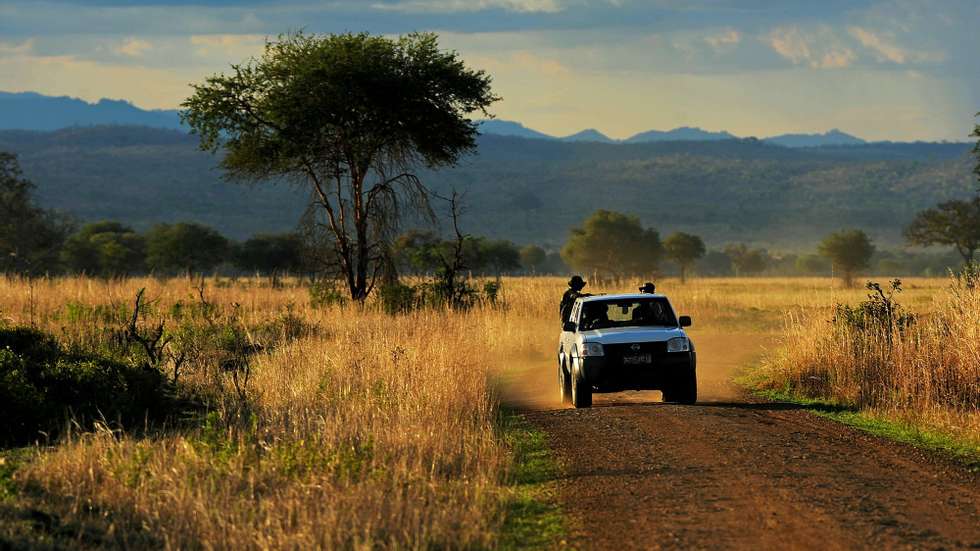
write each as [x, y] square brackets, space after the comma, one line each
[684, 249]
[976, 148]
[614, 244]
[849, 251]
[104, 248]
[29, 235]
[352, 117]
[186, 246]
[955, 223]
[746, 261]
[533, 258]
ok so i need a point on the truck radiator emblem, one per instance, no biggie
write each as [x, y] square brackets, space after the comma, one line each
[635, 347]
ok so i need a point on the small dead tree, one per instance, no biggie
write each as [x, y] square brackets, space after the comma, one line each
[152, 342]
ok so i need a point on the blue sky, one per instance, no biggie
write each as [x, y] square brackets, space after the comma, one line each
[881, 69]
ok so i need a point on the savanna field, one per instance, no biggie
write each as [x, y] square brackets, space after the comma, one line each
[273, 421]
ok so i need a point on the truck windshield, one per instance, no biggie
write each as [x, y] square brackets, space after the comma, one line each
[645, 312]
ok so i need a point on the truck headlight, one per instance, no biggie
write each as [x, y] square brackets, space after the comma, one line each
[591, 349]
[678, 344]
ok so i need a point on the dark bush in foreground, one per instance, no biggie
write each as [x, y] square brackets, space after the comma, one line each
[42, 386]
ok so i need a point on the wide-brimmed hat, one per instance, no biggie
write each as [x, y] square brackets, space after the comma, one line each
[648, 287]
[576, 281]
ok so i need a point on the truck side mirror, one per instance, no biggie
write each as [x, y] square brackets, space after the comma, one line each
[569, 326]
[684, 321]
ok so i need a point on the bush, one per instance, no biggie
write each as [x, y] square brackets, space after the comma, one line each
[41, 386]
[398, 298]
[880, 315]
[324, 293]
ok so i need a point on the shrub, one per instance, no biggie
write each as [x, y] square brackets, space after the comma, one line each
[398, 298]
[42, 385]
[880, 315]
[324, 293]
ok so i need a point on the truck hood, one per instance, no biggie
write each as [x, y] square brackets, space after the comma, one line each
[623, 335]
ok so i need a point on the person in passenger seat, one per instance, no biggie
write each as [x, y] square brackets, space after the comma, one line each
[642, 314]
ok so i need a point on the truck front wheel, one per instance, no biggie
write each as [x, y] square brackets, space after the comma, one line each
[581, 389]
[564, 384]
[683, 389]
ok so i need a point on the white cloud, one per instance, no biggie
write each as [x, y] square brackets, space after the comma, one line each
[522, 61]
[886, 50]
[724, 40]
[883, 49]
[520, 6]
[133, 47]
[820, 49]
[232, 47]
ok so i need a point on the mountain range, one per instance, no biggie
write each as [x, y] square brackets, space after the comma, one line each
[682, 134]
[33, 111]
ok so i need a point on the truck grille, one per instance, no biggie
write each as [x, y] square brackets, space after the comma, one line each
[615, 352]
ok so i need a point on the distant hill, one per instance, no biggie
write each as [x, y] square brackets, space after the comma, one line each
[684, 133]
[31, 111]
[510, 128]
[529, 190]
[832, 137]
[589, 135]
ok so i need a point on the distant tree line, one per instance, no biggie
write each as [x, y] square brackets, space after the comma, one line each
[615, 245]
[35, 240]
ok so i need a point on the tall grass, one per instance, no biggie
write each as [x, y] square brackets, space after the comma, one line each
[369, 431]
[926, 372]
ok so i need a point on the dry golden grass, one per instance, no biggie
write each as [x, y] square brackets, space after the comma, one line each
[373, 431]
[926, 374]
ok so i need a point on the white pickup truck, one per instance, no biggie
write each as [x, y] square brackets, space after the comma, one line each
[632, 341]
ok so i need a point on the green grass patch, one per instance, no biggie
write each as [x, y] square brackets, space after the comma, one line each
[10, 460]
[533, 519]
[962, 451]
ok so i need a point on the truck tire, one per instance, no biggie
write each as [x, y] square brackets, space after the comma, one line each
[581, 390]
[685, 389]
[564, 384]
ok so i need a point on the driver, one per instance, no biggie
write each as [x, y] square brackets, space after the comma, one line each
[598, 316]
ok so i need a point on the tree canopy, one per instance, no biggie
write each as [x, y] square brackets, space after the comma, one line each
[955, 223]
[184, 247]
[976, 148]
[270, 253]
[746, 261]
[104, 248]
[684, 249]
[30, 236]
[353, 117]
[849, 251]
[613, 244]
[423, 252]
[533, 258]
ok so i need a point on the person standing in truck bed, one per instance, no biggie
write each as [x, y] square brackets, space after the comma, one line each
[575, 286]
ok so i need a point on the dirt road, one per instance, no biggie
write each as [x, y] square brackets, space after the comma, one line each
[731, 474]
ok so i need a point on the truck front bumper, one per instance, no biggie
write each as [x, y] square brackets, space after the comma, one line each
[607, 374]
